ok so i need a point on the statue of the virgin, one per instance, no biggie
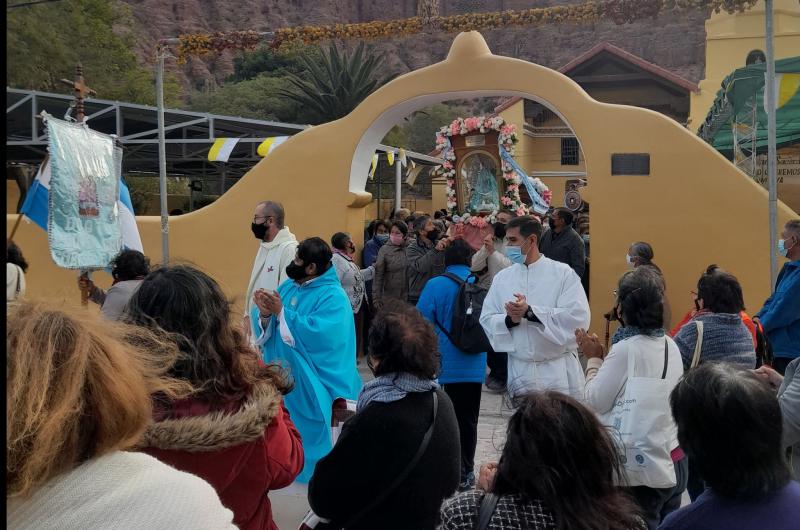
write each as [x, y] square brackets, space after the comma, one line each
[484, 197]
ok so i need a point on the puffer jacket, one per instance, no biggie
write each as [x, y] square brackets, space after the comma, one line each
[243, 449]
[391, 269]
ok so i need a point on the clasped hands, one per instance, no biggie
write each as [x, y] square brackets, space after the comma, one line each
[589, 345]
[268, 303]
[516, 310]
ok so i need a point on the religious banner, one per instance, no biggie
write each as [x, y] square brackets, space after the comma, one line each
[84, 229]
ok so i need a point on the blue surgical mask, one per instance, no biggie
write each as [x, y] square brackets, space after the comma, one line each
[383, 238]
[782, 250]
[514, 254]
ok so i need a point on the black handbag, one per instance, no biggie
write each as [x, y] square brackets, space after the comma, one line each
[488, 505]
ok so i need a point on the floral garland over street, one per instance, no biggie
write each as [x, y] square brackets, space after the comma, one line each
[506, 139]
[589, 12]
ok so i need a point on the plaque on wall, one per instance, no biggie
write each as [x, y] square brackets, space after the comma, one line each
[475, 140]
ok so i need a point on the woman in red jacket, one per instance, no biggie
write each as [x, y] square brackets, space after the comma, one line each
[234, 432]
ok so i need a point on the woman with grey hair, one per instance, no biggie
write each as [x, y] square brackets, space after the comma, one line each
[640, 254]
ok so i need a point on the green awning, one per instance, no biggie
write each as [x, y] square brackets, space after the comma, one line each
[735, 96]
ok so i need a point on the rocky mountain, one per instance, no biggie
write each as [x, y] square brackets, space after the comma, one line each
[673, 41]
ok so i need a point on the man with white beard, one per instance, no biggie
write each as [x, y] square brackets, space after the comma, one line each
[532, 311]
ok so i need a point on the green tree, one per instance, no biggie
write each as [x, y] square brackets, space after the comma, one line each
[334, 83]
[265, 60]
[44, 43]
[419, 129]
[254, 98]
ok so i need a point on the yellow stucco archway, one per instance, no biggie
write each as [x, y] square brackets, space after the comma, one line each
[694, 207]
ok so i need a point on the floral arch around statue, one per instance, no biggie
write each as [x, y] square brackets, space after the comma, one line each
[476, 190]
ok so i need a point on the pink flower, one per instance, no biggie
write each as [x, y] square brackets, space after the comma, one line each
[472, 123]
[512, 187]
[521, 211]
[455, 128]
[506, 201]
[447, 164]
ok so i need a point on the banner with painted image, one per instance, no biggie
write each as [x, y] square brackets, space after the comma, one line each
[84, 229]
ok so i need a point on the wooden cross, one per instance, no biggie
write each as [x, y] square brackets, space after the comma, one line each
[81, 91]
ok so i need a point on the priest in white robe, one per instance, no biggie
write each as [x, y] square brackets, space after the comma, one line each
[532, 311]
[277, 249]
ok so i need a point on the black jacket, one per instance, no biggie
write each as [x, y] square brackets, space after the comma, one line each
[566, 247]
[375, 446]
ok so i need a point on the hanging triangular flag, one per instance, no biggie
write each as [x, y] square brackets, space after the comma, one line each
[786, 86]
[374, 166]
[221, 149]
[269, 145]
[413, 173]
[390, 157]
[402, 156]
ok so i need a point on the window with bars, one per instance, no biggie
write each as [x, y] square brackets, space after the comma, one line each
[570, 152]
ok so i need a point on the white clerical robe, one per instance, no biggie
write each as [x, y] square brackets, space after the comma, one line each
[269, 269]
[541, 356]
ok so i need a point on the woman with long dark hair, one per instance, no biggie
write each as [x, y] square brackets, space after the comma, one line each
[559, 470]
[234, 432]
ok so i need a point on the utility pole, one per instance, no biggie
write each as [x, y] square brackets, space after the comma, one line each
[161, 54]
[771, 141]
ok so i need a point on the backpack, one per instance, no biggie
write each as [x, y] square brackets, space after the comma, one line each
[466, 332]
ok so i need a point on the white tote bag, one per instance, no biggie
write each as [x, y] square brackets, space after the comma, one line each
[644, 428]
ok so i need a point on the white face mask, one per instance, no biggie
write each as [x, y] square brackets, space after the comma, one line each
[629, 260]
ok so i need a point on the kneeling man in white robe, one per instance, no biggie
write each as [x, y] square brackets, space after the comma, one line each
[532, 311]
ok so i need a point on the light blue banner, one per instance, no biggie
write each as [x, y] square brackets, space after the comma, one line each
[83, 219]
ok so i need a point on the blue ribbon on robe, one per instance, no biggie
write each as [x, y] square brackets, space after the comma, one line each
[539, 206]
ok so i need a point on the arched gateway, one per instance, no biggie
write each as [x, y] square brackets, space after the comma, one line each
[649, 179]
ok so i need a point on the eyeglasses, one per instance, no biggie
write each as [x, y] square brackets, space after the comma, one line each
[257, 217]
[614, 292]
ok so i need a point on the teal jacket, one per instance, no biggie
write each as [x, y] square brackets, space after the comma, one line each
[322, 361]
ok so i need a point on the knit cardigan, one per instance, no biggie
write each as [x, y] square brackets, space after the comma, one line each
[725, 338]
[121, 490]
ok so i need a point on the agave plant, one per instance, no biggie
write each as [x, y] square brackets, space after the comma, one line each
[335, 82]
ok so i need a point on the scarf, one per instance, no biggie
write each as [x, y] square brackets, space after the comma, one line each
[392, 387]
[626, 332]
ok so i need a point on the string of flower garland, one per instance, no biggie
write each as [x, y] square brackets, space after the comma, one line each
[507, 137]
[620, 11]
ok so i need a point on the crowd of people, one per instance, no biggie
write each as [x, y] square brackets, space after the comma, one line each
[171, 409]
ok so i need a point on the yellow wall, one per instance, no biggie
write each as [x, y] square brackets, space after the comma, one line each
[12, 195]
[730, 37]
[690, 208]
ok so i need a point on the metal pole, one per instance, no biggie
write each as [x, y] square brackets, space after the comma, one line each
[162, 155]
[771, 150]
[378, 177]
[398, 184]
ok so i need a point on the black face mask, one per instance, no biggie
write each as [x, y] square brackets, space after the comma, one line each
[433, 235]
[499, 230]
[296, 272]
[552, 224]
[259, 230]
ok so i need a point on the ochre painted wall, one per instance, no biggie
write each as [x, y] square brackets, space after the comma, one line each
[690, 208]
[730, 37]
